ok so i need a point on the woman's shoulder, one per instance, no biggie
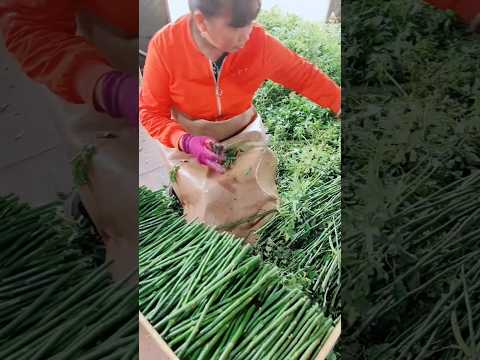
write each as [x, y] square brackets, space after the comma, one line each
[258, 30]
[258, 39]
[258, 35]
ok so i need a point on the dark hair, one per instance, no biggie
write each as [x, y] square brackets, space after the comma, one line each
[243, 11]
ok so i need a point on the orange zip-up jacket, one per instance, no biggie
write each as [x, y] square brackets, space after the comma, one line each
[466, 10]
[41, 34]
[177, 75]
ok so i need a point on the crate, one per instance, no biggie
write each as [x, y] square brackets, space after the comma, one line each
[153, 347]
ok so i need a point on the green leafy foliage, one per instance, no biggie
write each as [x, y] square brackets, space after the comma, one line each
[417, 65]
[173, 174]
[81, 165]
[306, 141]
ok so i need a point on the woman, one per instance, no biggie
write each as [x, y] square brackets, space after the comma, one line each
[202, 72]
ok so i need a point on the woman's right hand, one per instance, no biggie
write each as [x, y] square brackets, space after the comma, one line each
[116, 93]
[201, 147]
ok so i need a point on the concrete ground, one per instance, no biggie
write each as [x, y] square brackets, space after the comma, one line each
[151, 173]
[154, 14]
[33, 162]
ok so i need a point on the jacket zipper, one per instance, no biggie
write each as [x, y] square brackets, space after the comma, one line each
[218, 91]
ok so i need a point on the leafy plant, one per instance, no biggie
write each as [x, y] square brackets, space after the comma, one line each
[410, 169]
[304, 238]
[82, 165]
[173, 174]
[231, 153]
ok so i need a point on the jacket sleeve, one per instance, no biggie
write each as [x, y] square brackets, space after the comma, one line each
[442, 4]
[294, 72]
[155, 100]
[41, 35]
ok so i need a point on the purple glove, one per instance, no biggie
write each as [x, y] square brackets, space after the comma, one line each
[201, 148]
[119, 93]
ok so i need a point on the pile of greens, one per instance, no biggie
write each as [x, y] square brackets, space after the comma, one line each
[211, 298]
[55, 301]
[410, 185]
[304, 239]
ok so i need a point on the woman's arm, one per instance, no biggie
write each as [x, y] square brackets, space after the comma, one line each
[41, 36]
[155, 101]
[294, 72]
